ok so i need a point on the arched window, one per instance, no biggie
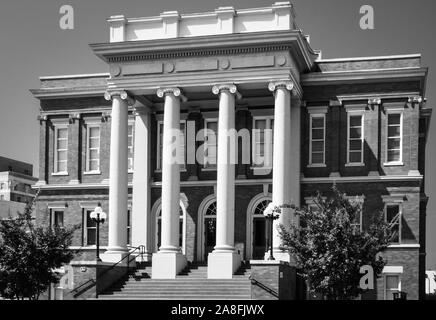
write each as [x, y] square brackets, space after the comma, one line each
[206, 227]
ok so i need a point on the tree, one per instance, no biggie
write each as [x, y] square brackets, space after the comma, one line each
[330, 247]
[29, 254]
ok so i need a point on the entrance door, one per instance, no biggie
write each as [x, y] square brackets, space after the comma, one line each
[209, 229]
[259, 237]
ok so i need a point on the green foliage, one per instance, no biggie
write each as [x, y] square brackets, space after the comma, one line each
[330, 248]
[29, 253]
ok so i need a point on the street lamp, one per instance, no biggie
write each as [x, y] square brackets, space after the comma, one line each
[271, 213]
[98, 216]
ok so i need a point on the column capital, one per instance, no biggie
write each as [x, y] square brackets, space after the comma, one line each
[216, 89]
[162, 92]
[415, 99]
[109, 95]
[286, 84]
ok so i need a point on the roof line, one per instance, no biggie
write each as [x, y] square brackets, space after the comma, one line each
[401, 56]
[72, 76]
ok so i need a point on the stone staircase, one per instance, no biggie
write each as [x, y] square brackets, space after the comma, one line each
[190, 284]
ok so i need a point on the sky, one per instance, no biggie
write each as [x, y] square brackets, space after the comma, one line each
[32, 45]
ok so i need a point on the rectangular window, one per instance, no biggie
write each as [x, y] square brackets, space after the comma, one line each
[211, 143]
[392, 285]
[130, 145]
[58, 218]
[60, 149]
[355, 139]
[317, 139]
[89, 229]
[393, 217]
[262, 153]
[93, 148]
[129, 226]
[182, 144]
[394, 137]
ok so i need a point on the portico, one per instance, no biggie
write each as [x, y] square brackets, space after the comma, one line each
[180, 67]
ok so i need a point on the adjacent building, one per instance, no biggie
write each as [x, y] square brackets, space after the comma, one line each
[359, 123]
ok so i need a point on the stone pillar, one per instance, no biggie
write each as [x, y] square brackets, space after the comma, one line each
[282, 157]
[169, 261]
[118, 187]
[224, 261]
[141, 197]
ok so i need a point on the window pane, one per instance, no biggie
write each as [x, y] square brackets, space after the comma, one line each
[94, 143]
[89, 222]
[130, 129]
[94, 132]
[355, 157]
[90, 236]
[260, 124]
[62, 133]
[355, 121]
[318, 134]
[355, 145]
[94, 165]
[394, 119]
[62, 144]
[355, 133]
[392, 282]
[317, 158]
[62, 166]
[393, 155]
[212, 126]
[318, 146]
[318, 122]
[394, 131]
[94, 154]
[394, 143]
[62, 155]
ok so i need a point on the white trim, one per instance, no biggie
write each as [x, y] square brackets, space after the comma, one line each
[404, 246]
[311, 116]
[75, 76]
[268, 120]
[317, 110]
[254, 202]
[394, 112]
[204, 205]
[59, 126]
[392, 269]
[90, 126]
[401, 56]
[352, 113]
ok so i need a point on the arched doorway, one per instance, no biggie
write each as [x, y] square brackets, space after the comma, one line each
[206, 227]
[157, 214]
[257, 227]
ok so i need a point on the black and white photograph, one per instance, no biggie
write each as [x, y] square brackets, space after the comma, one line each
[217, 156]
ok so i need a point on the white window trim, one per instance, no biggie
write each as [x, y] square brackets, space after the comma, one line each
[400, 218]
[88, 127]
[55, 151]
[399, 111]
[132, 123]
[385, 274]
[351, 113]
[159, 163]
[206, 121]
[267, 118]
[316, 165]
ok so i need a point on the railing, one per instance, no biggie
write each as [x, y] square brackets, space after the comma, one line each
[264, 287]
[86, 285]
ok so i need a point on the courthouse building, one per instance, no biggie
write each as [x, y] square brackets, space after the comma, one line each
[359, 123]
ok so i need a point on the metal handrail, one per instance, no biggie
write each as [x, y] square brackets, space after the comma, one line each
[141, 249]
[263, 286]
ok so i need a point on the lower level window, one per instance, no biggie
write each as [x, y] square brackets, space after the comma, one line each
[393, 217]
[392, 285]
[90, 229]
[57, 218]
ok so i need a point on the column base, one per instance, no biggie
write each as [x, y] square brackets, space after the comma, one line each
[222, 265]
[167, 265]
[114, 256]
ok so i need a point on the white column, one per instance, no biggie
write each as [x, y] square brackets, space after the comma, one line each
[118, 188]
[224, 261]
[169, 261]
[141, 197]
[282, 156]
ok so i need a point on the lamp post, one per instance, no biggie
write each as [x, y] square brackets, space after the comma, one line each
[98, 216]
[271, 213]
